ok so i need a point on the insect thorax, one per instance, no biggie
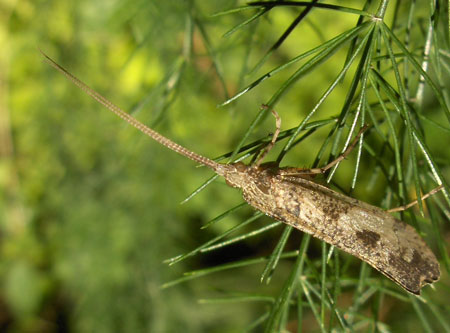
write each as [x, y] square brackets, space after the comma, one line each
[249, 178]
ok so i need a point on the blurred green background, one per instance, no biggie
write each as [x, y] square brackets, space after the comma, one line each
[89, 206]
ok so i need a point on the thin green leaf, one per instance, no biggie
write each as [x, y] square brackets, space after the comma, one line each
[179, 258]
[246, 22]
[212, 55]
[323, 282]
[272, 4]
[284, 35]
[313, 308]
[236, 264]
[323, 50]
[360, 78]
[223, 215]
[233, 11]
[242, 237]
[256, 322]
[442, 318]
[237, 299]
[420, 314]
[436, 90]
[275, 256]
[405, 111]
[199, 189]
[376, 81]
[323, 97]
[281, 302]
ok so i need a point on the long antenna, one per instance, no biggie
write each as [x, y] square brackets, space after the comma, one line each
[133, 121]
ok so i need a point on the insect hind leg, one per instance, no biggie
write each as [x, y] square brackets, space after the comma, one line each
[415, 202]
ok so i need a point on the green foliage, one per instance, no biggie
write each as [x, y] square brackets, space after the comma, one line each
[89, 207]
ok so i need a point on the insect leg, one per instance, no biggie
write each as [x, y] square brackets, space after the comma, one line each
[315, 171]
[404, 207]
[274, 137]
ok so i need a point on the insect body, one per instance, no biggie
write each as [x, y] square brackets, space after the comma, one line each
[365, 231]
[285, 194]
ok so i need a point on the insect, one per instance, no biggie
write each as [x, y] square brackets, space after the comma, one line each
[288, 195]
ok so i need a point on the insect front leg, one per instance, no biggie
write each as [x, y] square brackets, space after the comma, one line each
[274, 137]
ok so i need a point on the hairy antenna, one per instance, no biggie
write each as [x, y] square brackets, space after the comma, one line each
[133, 121]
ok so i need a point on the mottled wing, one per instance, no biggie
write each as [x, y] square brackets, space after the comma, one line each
[367, 232]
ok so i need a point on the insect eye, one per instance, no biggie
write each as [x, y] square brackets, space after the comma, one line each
[241, 167]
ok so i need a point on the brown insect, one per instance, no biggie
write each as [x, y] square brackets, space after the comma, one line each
[288, 195]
